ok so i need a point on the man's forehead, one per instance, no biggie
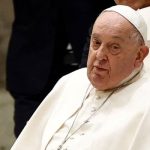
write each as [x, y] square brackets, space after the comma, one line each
[132, 16]
[110, 16]
[112, 20]
[113, 36]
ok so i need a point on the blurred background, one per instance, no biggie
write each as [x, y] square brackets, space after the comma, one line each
[6, 101]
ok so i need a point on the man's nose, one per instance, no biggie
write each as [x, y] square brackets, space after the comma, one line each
[101, 53]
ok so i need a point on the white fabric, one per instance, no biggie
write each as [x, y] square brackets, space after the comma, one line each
[145, 12]
[122, 124]
[90, 106]
[132, 16]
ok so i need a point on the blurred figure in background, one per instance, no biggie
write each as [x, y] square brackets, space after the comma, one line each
[40, 34]
[135, 4]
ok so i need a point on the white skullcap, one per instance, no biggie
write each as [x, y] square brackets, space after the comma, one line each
[133, 17]
[145, 13]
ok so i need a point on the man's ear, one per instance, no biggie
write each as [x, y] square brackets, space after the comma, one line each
[142, 53]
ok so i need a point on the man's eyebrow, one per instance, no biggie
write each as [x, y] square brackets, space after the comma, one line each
[95, 34]
[118, 37]
[114, 36]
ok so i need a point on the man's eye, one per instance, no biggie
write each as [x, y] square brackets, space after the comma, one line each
[115, 49]
[95, 44]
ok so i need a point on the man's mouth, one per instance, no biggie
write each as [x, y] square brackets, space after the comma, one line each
[99, 70]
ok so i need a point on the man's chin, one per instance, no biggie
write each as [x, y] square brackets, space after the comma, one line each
[98, 77]
[98, 81]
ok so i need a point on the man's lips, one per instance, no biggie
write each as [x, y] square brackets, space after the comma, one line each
[99, 70]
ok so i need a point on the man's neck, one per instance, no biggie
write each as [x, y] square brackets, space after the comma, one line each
[132, 75]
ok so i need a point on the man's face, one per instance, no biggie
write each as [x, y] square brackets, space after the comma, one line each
[112, 51]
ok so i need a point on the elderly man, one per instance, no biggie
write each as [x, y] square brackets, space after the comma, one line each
[107, 105]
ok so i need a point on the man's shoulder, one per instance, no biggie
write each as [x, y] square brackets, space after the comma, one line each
[81, 71]
[80, 74]
[75, 78]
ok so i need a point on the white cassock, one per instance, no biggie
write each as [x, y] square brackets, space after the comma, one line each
[122, 123]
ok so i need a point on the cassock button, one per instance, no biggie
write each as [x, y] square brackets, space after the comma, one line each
[82, 134]
[93, 109]
[98, 97]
